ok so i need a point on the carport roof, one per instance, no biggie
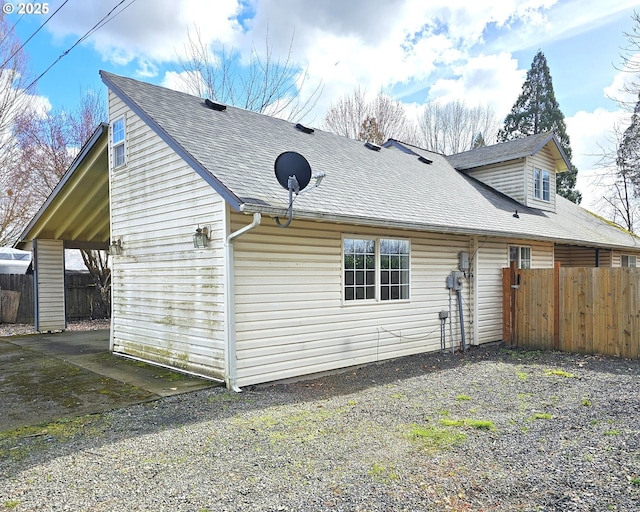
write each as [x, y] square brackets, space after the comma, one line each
[77, 211]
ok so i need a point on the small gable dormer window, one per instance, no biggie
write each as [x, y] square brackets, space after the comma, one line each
[541, 185]
[118, 142]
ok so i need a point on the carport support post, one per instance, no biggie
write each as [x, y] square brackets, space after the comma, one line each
[48, 282]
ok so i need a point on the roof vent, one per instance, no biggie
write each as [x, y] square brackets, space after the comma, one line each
[372, 146]
[304, 129]
[215, 106]
[425, 160]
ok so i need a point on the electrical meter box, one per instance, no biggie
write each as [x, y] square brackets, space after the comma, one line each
[463, 261]
[455, 280]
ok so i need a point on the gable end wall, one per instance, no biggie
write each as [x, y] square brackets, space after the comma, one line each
[167, 296]
[505, 177]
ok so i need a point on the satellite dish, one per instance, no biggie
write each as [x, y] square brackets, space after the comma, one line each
[293, 172]
[291, 164]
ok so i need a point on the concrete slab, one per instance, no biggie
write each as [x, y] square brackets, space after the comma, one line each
[44, 377]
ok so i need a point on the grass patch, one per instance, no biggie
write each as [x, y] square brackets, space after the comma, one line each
[522, 375]
[466, 422]
[542, 416]
[172, 376]
[382, 473]
[611, 432]
[9, 504]
[18, 443]
[463, 398]
[635, 480]
[586, 402]
[560, 373]
[435, 439]
[61, 429]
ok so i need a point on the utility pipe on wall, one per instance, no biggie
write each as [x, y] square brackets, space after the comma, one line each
[464, 343]
[230, 352]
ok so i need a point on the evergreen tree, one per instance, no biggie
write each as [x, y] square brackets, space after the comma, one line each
[478, 141]
[535, 111]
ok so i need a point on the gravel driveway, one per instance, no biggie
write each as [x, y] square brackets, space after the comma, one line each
[495, 429]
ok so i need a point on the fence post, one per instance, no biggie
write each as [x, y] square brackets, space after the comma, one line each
[556, 305]
[509, 304]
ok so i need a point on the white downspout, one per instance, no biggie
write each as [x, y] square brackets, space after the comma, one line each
[229, 291]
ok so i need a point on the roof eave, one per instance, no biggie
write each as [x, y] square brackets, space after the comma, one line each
[384, 223]
[100, 132]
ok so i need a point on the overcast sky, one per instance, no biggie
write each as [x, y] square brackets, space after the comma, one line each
[416, 50]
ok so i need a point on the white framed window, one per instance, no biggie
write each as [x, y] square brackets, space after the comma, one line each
[627, 260]
[541, 184]
[376, 269]
[118, 137]
[359, 269]
[521, 255]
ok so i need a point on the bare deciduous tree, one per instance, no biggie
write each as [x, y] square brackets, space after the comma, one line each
[353, 116]
[16, 203]
[97, 262]
[264, 84]
[630, 60]
[451, 128]
[622, 165]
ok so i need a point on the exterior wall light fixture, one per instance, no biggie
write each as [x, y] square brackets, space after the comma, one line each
[115, 248]
[201, 237]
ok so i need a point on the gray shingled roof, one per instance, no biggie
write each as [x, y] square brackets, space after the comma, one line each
[234, 150]
[510, 150]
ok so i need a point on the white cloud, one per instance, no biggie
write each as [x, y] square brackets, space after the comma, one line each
[623, 82]
[593, 145]
[441, 49]
[184, 81]
[153, 29]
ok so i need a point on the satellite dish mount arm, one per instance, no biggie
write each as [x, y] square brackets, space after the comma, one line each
[293, 186]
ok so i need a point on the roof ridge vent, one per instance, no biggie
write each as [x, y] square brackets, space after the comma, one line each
[215, 106]
[372, 146]
[425, 160]
[304, 129]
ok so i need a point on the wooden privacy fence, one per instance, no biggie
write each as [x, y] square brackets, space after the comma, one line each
[82, 299]
[587, 310]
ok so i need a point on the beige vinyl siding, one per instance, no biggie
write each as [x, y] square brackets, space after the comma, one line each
[167, 296]
[290, 315]
[49, 262]
[575, 256]
[541, 160]
[606, 258]
[616, 260]
[493, 256]
[505, 177]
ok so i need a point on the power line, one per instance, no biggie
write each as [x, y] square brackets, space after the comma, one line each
[105, 19]
[11, 29]
[32, 35]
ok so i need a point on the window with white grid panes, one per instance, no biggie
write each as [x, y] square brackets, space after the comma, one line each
[359, 269]
[394, 269]
[375, 269]
[118, 142]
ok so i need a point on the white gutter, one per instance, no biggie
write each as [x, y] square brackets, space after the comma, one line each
[439, 228]
[229, 288]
